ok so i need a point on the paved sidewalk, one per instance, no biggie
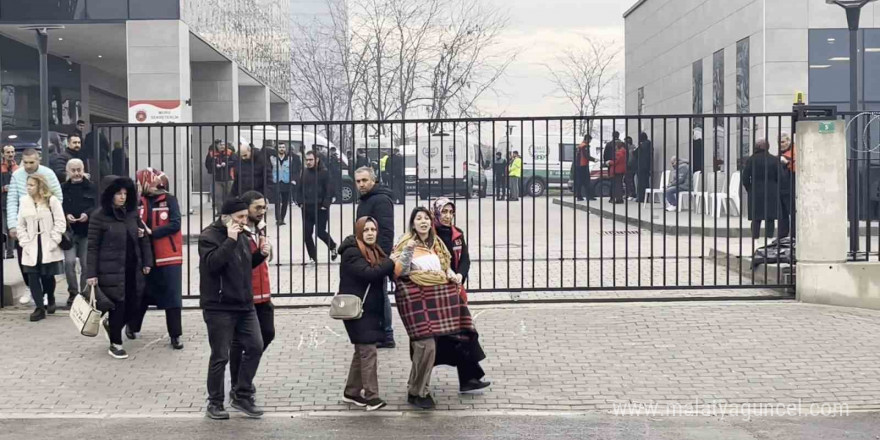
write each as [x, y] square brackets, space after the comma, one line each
[569, 358]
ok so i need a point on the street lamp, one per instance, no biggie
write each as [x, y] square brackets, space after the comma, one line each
[43, 48]
[853, 10]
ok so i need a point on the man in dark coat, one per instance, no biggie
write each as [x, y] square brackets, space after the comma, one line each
[80, 197]
[396, 168]
[499, 175]
[58, 162]
[253, 172]
[119, 255]
[226, 297]
[611, 148]
[760, 178]
[376, 202]
[316, 193]
[644, 156]
[581, 168]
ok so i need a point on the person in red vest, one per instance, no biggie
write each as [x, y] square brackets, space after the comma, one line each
[160, 217]
[259, 241]
[617, 169]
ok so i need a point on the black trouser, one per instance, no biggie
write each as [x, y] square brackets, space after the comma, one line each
[770, 225]
[283, 202]
[41, 285]
[643, 182]
[172, 320]
[787, 222]
[398, 189]
[123, 312]
[266, 320]
[617, 188]
[223, 327]
[314, 216]
[500, 186]
[469, 370]
[582, 187]
[630, 183]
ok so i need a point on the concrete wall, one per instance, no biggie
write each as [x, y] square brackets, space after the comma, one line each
[253, 103]
[215, 91]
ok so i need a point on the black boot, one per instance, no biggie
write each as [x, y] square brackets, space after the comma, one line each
[176, 344]
[50, 308]
[38, 315]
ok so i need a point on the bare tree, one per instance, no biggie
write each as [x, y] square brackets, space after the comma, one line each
[583, 74]
[466, 64]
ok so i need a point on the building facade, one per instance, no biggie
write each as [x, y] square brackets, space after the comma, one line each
[744, 56]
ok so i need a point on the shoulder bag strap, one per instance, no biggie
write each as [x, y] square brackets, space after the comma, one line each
[367, 292]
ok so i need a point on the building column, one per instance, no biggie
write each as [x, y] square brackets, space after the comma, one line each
[253, 103]
[158, 93]
[280, 112]
[215, 101]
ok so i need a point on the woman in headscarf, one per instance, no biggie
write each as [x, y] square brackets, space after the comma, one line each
[362, 272]
[118, 256]
[465, 356]
[160, 214]
[429, 301]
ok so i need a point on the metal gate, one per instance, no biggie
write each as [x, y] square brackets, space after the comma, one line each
[547, 240]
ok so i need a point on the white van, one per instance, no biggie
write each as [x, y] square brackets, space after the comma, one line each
[448, 164]
[546, 166]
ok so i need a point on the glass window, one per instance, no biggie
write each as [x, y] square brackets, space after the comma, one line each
[697, 76]
[718, 104]
[742, 97]
[566, 152]
[106, 9]
[829, 66]
[154, 9]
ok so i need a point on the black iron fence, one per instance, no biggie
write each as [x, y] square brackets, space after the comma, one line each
[617, 214]
[863, 179]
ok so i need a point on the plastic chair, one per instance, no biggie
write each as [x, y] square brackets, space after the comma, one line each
[720, 201]
[693, 195]
[651, 193]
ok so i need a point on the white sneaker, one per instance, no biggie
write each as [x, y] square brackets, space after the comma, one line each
[671, 208]
[24, 300]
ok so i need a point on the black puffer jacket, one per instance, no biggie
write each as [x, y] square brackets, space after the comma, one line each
[253, 174]
[355, 274]
[111, 230]
[316, 187]
[378, 204]
[79, 198]
[226, 268]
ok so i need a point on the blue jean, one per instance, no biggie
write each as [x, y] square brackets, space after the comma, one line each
[78, 251]
[672, 195]
[386, 322]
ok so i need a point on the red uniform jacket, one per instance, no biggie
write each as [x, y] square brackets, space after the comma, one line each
[260, 275]
[162, 215]
[618, 164]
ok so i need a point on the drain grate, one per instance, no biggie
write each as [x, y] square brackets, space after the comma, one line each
[621, 232]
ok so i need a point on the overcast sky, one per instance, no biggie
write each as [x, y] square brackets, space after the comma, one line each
[540, 29]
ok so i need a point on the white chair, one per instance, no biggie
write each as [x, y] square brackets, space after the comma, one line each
[693, 195]
[651, 193]
[720, 201]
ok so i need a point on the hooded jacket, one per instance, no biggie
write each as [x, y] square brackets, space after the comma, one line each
[355, 276]
[226, 270]
[378, 204]
[111, 231]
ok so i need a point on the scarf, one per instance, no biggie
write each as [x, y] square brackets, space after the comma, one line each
[371, 252]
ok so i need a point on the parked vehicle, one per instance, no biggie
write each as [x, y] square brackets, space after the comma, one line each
[450, 164]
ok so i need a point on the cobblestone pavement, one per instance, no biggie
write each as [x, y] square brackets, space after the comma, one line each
[540, 358]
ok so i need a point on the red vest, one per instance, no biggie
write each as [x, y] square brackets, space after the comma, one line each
[167, 251]
[260, 278]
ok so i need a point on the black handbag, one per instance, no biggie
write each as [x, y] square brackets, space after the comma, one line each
[66, 242]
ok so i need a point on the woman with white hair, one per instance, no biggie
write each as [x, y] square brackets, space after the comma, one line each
[80, 197]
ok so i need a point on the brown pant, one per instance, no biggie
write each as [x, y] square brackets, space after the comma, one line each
[423, 353]
[362, 374]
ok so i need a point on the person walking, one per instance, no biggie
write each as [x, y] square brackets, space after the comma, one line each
[452, 350]
[787, 184]
[428, 297]
[617, 170]
[679, 181]
[41, 224]
[644, 157]
[515, 176]
[375, 202]
[760, 178]
[397, 176]
[265, 310]
[160, 216]
[80, 196]
[118, 256]
[499, 173]
[221, 162]
[581, 165]
[283, 178]
[253, 171]
[73, 151]
[316, 195]
[364, 268]
[226, 264]
[7, 167]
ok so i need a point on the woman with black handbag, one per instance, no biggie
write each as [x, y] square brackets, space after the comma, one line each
[362, 273]
[41, 226]
[119, 255]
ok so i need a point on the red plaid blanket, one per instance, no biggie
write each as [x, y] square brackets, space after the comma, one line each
[432, 311]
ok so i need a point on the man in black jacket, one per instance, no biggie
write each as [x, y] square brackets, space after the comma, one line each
[499, 176]
[316, 194]
[396, 168]
[58, 162]
[644, 158]
[253, 171]
[80, 198]
[227, 301]
[376, 202]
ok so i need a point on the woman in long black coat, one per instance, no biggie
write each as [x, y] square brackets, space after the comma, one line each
[364, 266]
[760, 178]
[119, 255]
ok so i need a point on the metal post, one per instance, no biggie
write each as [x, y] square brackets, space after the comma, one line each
[852, 19]
[43, 47]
